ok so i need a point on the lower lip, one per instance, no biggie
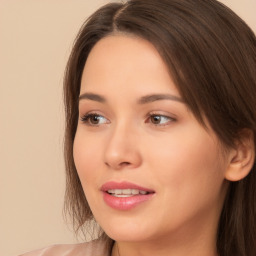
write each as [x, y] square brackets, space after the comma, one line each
[125, 203]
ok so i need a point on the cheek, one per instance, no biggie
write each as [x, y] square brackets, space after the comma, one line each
[188, 163]
[86, 157]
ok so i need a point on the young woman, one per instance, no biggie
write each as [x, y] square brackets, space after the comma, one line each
[160, 103]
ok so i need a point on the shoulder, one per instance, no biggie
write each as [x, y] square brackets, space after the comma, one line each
[93, 248]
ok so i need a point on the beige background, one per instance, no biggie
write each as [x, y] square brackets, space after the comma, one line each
[36, 37]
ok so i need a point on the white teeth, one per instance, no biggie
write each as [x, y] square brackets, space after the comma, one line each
[134, 191]
[126, 192]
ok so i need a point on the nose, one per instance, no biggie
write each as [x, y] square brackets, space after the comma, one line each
[122, 150]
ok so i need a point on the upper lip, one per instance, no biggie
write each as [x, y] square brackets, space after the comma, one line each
[123, 185]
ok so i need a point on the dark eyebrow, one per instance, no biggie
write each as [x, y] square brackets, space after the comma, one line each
[92, 96]
[155, 97]
[142, 100]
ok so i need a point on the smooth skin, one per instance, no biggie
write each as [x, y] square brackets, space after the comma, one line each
[155, 144]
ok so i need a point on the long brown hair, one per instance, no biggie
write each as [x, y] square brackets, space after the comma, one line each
[211, 56]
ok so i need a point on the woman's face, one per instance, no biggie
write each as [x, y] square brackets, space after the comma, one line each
[148, 168]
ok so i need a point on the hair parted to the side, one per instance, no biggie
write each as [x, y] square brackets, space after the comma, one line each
[211, 56]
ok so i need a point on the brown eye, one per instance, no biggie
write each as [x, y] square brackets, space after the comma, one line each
[155, 119]
[93, 119]
[160, 120]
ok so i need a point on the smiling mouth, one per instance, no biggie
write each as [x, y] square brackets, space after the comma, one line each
[125, 196]
[126, 192]
[124, 189]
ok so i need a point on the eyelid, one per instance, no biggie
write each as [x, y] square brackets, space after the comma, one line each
[84, 118]
[155, 113]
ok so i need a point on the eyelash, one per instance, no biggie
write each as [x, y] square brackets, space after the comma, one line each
[87, 117]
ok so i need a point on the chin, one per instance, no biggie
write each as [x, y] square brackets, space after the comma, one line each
[124, 236]
[129, 231]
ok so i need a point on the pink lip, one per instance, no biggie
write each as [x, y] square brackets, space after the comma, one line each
[123, 185]
[124, 203]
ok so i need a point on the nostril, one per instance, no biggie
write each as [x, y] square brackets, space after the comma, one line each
[125, 163]
[122, 164]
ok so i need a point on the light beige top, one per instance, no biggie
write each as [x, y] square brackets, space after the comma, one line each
[93, 248]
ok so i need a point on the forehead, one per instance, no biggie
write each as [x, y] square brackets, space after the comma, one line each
[123, 47]
[125, 62]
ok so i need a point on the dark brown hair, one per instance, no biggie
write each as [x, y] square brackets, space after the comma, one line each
[211, 56]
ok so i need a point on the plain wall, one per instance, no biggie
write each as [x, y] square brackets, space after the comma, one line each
[36, 38]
